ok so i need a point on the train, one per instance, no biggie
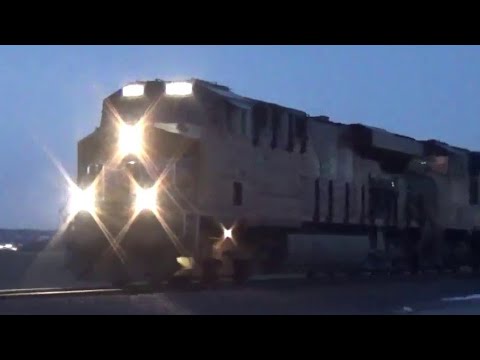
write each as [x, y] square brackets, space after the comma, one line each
[190, 180]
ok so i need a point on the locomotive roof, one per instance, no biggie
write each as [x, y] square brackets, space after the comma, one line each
[440, 145]
[430, 145]
[380, 130]
[326, 119]
[222, 91]
[226, 93]
[237, 99]
[242, 101]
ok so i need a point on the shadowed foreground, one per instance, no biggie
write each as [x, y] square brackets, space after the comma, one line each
[424, 295]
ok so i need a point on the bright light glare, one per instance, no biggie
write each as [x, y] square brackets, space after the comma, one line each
[227, 233]
[146, 199]
[133, 90]
[186, 262]
[130, 139]
[82, 200]
[179, 89]
[8, 247]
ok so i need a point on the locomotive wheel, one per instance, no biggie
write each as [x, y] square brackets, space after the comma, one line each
[78, 263]
[162, 270]
[210, 271]
[475, 252]
[80, 271]
[117, 272]
[310, 274]
[241, 271]
[119, 277]
[180, 281]
[410, 240]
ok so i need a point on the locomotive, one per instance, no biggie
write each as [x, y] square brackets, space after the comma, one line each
[187, 179]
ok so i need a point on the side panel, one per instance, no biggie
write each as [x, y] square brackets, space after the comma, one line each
[364, 168]
[342, 176]
[324, 138]
[327, 252]
[459, 190]
[273, 182]
[450, 175]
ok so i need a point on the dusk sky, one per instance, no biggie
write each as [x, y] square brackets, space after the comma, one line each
[51, 96]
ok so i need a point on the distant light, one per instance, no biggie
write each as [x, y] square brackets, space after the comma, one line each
[1, 246]
[8, 246]
[14, 249]
[179, 88]
[133, 90]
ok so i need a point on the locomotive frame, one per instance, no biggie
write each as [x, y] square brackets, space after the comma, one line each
[253, 186]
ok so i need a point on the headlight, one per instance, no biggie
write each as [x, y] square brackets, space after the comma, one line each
[178, 88]
[227, 233]
[81, 200]
[146, 199]
[130, 139]
[133, 90]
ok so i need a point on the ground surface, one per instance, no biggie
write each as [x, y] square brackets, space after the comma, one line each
[288, 297]
[425, 295]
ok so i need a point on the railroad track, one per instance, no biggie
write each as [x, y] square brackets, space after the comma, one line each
[273, 280]
[55, 292]
[130, 289]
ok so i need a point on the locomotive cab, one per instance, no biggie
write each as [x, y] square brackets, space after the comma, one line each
[138, 169]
